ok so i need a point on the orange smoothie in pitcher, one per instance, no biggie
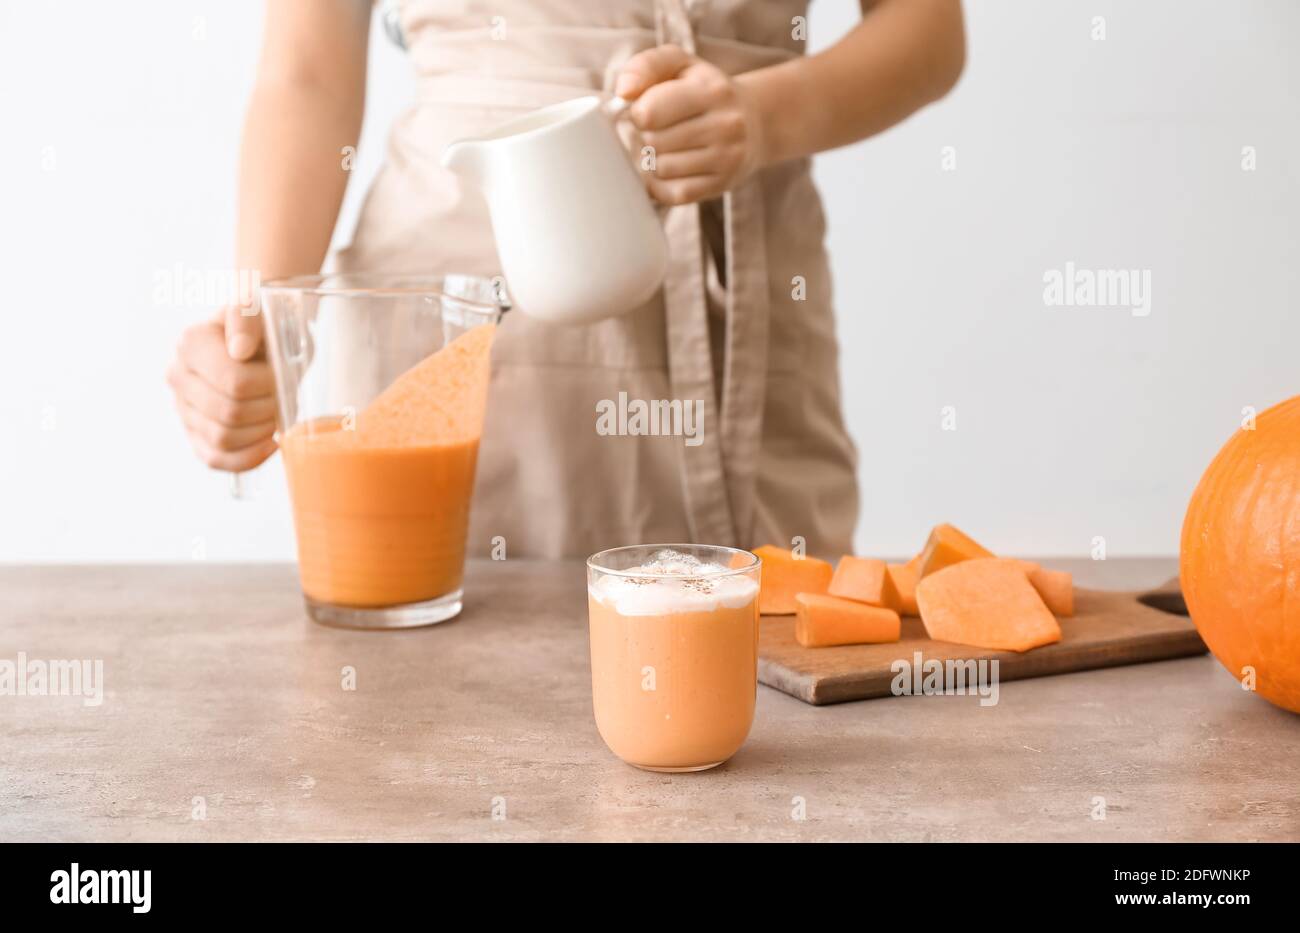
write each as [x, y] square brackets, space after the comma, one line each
[377, 526]
[674, 663]
[381, 506]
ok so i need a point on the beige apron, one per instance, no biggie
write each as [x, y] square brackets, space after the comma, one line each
[743, 322]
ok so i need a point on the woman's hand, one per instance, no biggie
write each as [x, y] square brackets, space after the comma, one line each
[224, 393]
[701, 124]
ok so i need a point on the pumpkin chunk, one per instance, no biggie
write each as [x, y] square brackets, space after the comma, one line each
[1056, 587]
[825, 620]
[948, 545]
[905, 577]
[784, 575]
[865, 579]
[986, 602]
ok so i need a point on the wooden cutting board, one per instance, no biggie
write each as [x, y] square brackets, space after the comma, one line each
[1107, 630]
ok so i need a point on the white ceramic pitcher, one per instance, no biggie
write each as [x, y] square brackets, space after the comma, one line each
[578, 237]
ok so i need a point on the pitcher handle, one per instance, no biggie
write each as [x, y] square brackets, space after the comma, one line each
[616, 109]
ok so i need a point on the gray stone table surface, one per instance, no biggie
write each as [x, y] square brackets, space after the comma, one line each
[222, 701]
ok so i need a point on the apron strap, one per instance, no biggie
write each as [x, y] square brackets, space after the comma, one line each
[673, 24]
[744, 383]
[719, 475]
[690, 373]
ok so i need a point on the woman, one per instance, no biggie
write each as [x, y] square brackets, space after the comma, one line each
[733, 109]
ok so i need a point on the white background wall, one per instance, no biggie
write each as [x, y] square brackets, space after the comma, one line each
[120, 124]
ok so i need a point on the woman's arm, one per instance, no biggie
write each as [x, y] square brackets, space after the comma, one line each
[710, 131]
[903, 55]
[306, 106]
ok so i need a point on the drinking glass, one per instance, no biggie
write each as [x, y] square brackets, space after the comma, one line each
[674, 652]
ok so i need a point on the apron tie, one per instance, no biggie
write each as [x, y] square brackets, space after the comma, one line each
[744, 382]
[690, 374]
[719, 475]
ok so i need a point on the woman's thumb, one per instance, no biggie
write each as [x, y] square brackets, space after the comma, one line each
[243, 328]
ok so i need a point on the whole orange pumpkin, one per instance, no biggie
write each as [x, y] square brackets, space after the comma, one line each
[1240, 559]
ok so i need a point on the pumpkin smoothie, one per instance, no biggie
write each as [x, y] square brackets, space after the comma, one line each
[674, 662]
[381, 506]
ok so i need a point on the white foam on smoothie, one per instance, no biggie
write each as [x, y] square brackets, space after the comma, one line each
[674, 582]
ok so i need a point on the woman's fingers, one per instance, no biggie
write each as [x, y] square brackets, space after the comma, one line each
[687, 190]
[203, 351]
[705, 129]
[668, 104]
[222, 439]
[646, 69]
[700, 123]
[688, 162]
[231, 461]
[220, 436]
[227, 405]
[216, 406]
